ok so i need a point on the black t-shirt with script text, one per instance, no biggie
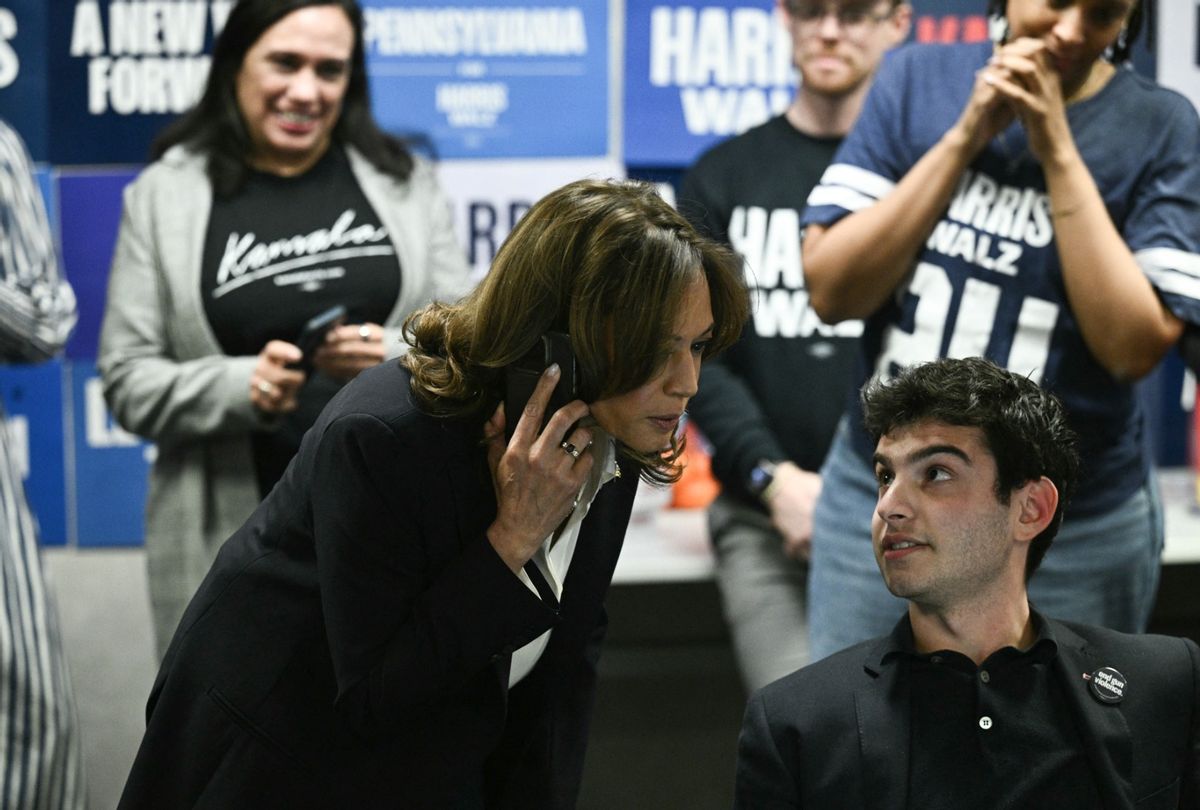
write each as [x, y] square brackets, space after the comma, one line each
[282, 250]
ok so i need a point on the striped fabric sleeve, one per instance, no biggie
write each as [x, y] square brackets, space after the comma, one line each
[37, 305]
[849, 187]
[1173, 271]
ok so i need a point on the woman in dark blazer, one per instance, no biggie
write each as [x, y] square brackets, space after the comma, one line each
[413, 617]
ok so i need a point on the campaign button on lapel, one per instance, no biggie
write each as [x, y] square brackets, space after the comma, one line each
[1107, 685]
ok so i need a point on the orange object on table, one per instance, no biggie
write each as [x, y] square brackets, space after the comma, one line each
[697, 488]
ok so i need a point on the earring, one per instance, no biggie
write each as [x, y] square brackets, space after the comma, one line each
[998, 29]
[1119, 48]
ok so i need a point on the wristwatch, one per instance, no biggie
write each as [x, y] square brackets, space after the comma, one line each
[761, 477]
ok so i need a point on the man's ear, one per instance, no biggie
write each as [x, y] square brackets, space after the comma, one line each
[1037, 501]
[901, 23]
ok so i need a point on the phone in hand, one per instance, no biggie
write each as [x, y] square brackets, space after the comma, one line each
[313, 335]
[521, 377]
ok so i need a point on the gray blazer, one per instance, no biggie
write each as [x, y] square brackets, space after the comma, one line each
[166, 379]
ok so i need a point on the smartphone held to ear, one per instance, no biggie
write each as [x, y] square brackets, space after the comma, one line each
[313, 335]
[521, 377]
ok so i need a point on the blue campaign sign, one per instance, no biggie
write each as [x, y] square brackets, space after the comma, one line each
[23, 73]
[121, 70]
[700, 71]
[33, 400]
[697, 73]
[89, 209]
[111, 468]
[527, 79]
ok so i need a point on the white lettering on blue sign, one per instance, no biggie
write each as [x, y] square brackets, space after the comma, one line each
[148, 59]
[148, 84]
[733, 67]
[471, 104]
[474, 32]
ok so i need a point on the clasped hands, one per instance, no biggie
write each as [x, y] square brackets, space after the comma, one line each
[1020, 81]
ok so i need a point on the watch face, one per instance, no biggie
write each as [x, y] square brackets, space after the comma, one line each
[760, 479]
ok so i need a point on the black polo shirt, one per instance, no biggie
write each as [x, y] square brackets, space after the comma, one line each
[998, 735]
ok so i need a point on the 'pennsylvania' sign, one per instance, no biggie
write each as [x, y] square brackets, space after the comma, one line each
[491, 80]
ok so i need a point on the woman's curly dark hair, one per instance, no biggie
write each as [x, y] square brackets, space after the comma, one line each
[609, 263]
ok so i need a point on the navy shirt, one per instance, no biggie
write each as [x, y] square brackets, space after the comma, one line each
[989, 280]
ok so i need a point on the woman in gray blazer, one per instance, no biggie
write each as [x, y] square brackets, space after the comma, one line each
[276, 201]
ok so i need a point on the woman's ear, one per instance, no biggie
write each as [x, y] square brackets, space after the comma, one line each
[1037, 500]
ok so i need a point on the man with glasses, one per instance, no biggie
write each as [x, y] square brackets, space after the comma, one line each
[756, 404]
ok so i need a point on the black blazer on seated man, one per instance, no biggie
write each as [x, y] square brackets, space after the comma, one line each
[836, 734]
[350, 647]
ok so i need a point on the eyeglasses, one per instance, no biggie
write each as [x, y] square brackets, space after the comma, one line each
[851, 17]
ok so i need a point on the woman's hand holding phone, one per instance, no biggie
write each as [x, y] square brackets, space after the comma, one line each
[350, 349]
[536, 477]
[273, 385]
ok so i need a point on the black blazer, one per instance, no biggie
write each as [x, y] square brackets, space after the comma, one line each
[836, 734]
[350, 646]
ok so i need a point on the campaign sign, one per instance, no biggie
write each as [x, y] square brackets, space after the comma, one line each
[23, 95]
[696, 74]
[33, 400]
[489, 197]
[497, 80]
[121, 70]
[111, 468]
[89, 209]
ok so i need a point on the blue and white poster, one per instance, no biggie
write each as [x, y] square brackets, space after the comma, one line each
[33, 401]
[111, 468]
[121, 70]
[698, 74]
[490, 79]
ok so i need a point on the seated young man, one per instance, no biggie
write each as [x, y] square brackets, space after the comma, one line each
[975, 699]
